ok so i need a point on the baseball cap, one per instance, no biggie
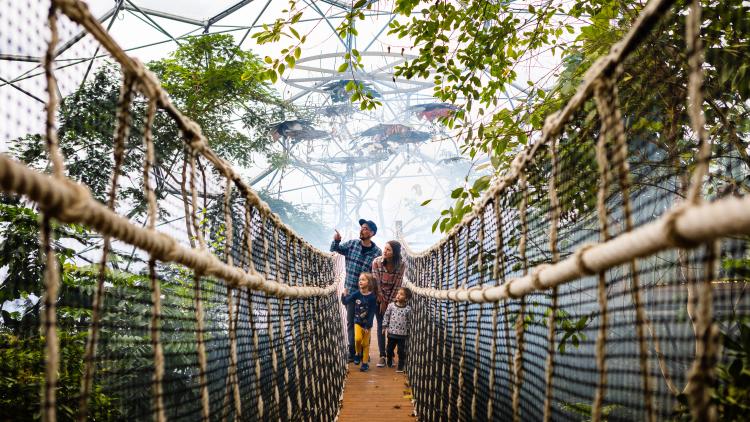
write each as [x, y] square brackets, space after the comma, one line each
[370, 224]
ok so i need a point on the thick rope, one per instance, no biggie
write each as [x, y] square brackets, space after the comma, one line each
[701, 223]
[293, 263]
[554, 209]
[51, 271]
[464, 322]
[70, 202]
[445, 275]
[121, 134]
[199, 325]
[228, 248]
[701, 377]
[493, 363]
[518, 358]
[480, 270]
[157, 390]
[614, 130]
[601, 339]
[454, 249]
[274, 411]
[282, 326]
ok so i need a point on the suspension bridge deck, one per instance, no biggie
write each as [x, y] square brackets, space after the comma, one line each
[379, 394]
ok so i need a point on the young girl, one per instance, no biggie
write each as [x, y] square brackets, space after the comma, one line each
[396, 322]
[365, 307]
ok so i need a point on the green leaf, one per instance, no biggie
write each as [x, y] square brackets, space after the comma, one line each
[425, 203]
[342, 68]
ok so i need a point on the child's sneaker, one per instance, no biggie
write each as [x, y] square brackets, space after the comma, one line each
[389, 362]
[381, 362]
[357, 359]
[400, 369]
[364, 367]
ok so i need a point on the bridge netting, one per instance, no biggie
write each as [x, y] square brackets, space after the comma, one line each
[575, 290]
[602, 277]
[198, 302]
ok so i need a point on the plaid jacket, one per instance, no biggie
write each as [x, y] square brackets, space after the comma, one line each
[357, 261]
[388, 282]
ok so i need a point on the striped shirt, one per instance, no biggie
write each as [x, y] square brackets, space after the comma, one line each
[358, 260]
[388, 282]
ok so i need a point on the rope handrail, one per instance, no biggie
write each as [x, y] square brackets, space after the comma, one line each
[70, 202]
[684, 226]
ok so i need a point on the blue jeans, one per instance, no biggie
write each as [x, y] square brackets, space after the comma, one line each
[381, 336]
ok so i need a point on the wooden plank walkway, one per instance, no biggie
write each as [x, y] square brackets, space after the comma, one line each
[376, 395]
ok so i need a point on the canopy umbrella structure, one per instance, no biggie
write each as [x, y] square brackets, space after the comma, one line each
[296, 130]
[433, 111]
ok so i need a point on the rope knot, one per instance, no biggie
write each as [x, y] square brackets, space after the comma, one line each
[580, 263]
[164, 247]
[197, 144]
[535, 276]
[670, 228]
[506, 290]
[73, 204]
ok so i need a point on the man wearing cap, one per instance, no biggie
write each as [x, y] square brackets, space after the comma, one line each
[359, 255]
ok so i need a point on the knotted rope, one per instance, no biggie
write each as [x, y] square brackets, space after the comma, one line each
[520, 318]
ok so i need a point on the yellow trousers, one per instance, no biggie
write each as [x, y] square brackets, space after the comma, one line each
[362, 342]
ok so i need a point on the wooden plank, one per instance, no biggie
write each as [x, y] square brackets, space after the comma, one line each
[376, 395]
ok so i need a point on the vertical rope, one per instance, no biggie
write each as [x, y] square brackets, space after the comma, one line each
[554, 207]
[477, 358]
[185, 203]
[608, 107]
[274, 411]
[454, 246]
[464, 322]
[199, 329]
[493, 362]
[306, 365]
[601, 339]
[51, 275]
[148, 163]
[498, 272]
[701, 377]
[435, 357]
[518, 358]
[229, 243]
[293, 325]
[444, 275]
[282, 325]
[121, 134]
[260, 405]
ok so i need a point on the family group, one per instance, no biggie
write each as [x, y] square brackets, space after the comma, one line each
[372, 290]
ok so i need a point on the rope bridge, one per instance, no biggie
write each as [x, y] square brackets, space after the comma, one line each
[593, 280]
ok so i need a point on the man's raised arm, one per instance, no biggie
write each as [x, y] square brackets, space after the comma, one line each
[336, 245]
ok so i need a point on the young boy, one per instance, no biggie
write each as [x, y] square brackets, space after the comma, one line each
[396, 323]
[365, 306]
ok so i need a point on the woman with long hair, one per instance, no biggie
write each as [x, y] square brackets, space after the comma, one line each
[388, 269]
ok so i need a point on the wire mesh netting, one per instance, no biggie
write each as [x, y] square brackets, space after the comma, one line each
[498, 361]
[175, 337]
